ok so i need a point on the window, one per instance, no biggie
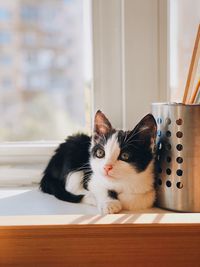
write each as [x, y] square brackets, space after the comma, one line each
[48, 51]
[5, 37]
[5, 14]
[5, 60]
[49, 103]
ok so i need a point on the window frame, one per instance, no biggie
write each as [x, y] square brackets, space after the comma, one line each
[114, 91]
[22, 163]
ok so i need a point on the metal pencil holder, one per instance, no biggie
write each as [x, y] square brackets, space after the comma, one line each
[178, 156]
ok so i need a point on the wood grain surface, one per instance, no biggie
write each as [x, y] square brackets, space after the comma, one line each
[100, 245]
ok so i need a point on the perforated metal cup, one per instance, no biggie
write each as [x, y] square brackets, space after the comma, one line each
[178, 156]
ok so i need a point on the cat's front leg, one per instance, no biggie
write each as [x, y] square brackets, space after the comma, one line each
[107, 202]
[89, 199]
[109, 206]
[105, 206]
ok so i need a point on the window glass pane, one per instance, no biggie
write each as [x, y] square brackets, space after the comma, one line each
[45, 69]
[183, 25]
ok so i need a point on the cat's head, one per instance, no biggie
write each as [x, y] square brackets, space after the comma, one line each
[116, 154]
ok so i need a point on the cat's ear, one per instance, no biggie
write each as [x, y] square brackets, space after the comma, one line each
[146, 129]
[102, 126]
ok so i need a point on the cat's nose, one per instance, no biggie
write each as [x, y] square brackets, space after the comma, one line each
[108, 167]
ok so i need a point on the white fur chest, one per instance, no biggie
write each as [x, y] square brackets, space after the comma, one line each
[134, 192]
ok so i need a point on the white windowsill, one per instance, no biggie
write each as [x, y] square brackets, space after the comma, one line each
[22, 163]
[26, 152]
[29, 206]
[29, 201]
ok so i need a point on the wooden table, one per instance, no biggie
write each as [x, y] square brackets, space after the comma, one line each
[140, 239]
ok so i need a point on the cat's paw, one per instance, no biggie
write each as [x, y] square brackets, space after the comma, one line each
[89, 199]
[110, 207]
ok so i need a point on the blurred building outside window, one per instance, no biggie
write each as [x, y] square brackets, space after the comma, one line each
[45, 69]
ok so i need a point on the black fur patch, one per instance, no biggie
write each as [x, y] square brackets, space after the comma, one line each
[112, 194]
[70, 156]
[137, 143]
[140, 153]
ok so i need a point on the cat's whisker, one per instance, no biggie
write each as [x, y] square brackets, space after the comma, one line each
[104, 138]
[84, 165]
[131, 143]
[135, 133]
[142, 130]
[128, 145]
[81, 169]
[130, 137]
[125, 138]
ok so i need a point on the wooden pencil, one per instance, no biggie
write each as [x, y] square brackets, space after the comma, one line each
[193, 67]
[193, 97]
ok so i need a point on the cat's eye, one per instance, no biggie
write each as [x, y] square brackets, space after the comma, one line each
[124, 156]
[100, 153]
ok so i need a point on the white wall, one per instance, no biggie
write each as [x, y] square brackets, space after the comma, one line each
[128, 61]
[107, 58]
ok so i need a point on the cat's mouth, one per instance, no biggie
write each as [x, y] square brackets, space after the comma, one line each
[108, 175]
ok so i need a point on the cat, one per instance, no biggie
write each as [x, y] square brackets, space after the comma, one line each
[112, 169]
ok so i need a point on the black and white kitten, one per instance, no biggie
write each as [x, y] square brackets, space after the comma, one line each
[112, 170]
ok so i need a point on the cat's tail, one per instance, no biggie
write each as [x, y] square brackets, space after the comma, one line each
[56, 187]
